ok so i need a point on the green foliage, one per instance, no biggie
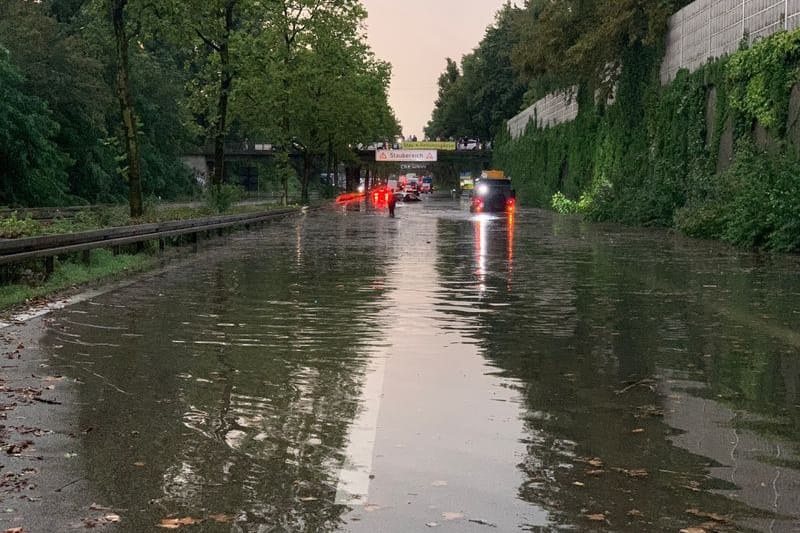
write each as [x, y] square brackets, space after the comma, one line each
[651, 157]
[755, 203]
[59, 67]
[475, 100]
[762, 77]
[31, 165]
[12, 227]
[584, 41]
[299, 69]
[221, 198]
[562, 204]
[103, 265]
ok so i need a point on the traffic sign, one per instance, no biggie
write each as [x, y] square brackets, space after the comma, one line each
[396, 156]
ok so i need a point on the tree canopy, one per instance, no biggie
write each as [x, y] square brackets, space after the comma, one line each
[475, 99]
[33, 168]
[539, 48]
[297, 74]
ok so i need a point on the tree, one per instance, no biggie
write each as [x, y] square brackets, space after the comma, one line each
[582, 41]
[31, 166]
[316, 87]
[451, 113]
[495, 91]
[476, 99]
[127, 109]
[59, 67]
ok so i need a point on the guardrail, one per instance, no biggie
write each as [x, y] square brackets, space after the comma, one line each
[48, 246]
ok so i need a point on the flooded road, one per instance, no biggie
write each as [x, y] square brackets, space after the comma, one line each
[344, 371]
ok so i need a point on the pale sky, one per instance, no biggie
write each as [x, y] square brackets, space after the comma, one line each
[416, 36]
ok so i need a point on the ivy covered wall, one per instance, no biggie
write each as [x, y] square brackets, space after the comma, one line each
[714, 154]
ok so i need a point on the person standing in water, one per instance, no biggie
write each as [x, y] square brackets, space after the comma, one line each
[392, 203]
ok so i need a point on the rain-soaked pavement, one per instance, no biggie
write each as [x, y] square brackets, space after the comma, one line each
[343, 371]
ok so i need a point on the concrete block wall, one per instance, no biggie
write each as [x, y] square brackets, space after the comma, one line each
[708, 29]
[555, 108]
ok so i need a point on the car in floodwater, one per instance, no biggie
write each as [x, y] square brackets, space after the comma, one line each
[493, 193]
[407, 196]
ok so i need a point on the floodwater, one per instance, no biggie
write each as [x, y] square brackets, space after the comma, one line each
[344, 371]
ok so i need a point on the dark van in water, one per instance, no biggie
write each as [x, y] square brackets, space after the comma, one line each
[493, 193]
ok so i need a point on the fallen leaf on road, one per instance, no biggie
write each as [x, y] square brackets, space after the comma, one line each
[635, 472]
[309, 499]
[694, 486]
[713, 516]
[139, 464]
[432, 524]
[371, 507]
[638, 430]
[439, 483]
[14, 530]
[595, 473]
[221, 518]
[635, 512]
[596, 462]
[452, 516]
[693, 530]
[579, 484]
[175, 523]
[596, 517]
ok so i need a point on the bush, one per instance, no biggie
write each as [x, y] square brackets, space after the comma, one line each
[13, 228]
[652, 156]
[221, 199]
[562, 204]
[755, 203]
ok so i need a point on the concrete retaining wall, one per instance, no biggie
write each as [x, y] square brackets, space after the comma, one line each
[708, 29]
[553, 109]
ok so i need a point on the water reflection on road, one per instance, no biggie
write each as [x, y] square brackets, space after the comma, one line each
[345, 371]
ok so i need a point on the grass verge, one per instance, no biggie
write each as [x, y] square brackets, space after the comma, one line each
[103, 265]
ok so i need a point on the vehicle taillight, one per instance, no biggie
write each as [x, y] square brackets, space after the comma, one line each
[511, 203]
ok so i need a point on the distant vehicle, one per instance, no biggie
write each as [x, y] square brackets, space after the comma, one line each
[377, 145]
[380, 196]
[493, 193]
[407, 196]
[468, 144]
[427, 185]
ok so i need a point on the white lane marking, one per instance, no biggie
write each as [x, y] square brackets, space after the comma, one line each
[354, 478]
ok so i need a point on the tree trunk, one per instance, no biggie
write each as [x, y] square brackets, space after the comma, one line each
[307, 162]
[225, 83]
[329, 165]
[353, 176]
[285, 183]
[129, 119]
